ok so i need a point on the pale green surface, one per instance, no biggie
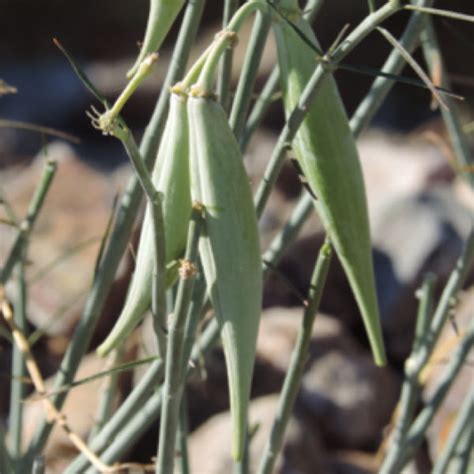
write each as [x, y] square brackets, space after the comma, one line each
[229, 248]
[171, 177]
[161, 17]
[326, 151]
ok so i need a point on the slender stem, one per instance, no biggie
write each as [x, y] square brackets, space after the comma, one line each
[39, 466]
[108, 393]
[182, 438]
[123, 225]
[143, 71]
[5, 458]
[419, 357]
[17, 392]
[286, 137]
[248, 74]
[400, 455]
[260, 107]
[411, 385]
[266, 96]
[280, 242]
[132, 404]
[174, 375]
[461, 147]
[439, 12]
[123, 133]
[463, 424]
[159, 309]
[425, 309]
[464, 460]
[446, 303]
[297, 363]
[142, 419]
[145, 388]
[28, 223]
[297, 115]
[393, 65]
[225, 67]
[224, 40]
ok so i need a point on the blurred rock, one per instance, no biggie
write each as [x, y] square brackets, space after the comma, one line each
[396, 166]
[66, 238]
[349, 398]
[279, 328]
[302, 453]
[420, 233]
[353, 462]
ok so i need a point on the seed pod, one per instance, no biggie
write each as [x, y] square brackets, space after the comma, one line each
[171, 177]
[326, 151]
[229, 248]
[161, 17]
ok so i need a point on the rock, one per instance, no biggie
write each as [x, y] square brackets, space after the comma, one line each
[210, 445]
[66, 238]
[353, 462]
[349, 398]
[395, 166]
[279, 329]
[420, 233]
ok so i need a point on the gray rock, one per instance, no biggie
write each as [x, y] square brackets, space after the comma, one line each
[302, 453]
[349, 398]
[420, 233]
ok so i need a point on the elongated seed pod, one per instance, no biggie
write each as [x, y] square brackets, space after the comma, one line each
[229, 248]
[326, 151]
[161, 17]
[171, 177]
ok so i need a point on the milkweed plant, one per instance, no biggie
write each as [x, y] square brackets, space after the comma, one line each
[199, 252]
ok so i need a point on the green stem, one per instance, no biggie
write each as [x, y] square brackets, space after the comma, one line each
[260, 107]
[463, 424]
[182, 438]
[266, 96]
[224, 40]
[144, 389]
[445, 305]
[174, 375]
[425, 310]
[225, 67]
[461, 146]
[108, 393]
[6, 464]
[143, 419]
[123, 133]
[17, 391]
[393, 65]
[463, 462]
[28, 223]
[398, 456]
[298, 114]
[123, 225]
[248, 74]
[143, 71]
[297, 363]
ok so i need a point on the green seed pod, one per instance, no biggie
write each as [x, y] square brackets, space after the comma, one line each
[161, 17]
[229, 248]
[326, 151]
[171, 177]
